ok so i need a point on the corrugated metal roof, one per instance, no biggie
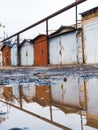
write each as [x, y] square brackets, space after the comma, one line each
[89, 11]
[63, 30]
[24, 41]
[38, 36]
[7, 43]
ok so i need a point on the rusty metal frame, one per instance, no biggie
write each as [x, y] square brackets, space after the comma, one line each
[47, 18]
[38, 116]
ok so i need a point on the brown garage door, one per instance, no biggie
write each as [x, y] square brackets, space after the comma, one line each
[40, 51]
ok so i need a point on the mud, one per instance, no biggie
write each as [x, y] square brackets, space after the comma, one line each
[43, 75]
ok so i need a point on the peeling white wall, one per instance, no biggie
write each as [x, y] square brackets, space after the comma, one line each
[27, 54]
[14, 55]
[90, 39]
[63, 49]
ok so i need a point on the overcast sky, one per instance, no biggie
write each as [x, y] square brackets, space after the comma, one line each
[18, 14]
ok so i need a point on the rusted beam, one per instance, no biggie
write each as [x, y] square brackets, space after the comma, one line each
[47, 18]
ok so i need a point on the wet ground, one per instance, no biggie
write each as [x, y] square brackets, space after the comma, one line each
[56, 98]
[42, 74]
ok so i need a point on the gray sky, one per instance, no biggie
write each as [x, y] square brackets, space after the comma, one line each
[18, 14]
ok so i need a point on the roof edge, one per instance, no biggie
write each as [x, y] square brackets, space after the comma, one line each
[89, 11]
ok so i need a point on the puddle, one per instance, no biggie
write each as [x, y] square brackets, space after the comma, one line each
[69, 104]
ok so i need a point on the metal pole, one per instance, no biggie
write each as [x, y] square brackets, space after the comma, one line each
[18, 50]
[47, 41]
[76, 15]
[20, 95]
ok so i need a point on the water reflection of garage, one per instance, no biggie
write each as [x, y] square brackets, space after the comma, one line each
[68, 96]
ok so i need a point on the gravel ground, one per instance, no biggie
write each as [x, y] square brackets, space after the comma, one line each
[10, 75]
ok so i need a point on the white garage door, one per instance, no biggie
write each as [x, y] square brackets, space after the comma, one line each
[91, 42]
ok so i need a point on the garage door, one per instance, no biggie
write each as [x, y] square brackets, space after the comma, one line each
[91, 42]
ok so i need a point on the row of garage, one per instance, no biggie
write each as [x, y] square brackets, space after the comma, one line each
[41, 51]
[67, 45]
[26, 52]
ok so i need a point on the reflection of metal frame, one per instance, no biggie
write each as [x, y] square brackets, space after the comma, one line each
[92, 123]
[34, 114]
[38, 116]
[65, 109]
